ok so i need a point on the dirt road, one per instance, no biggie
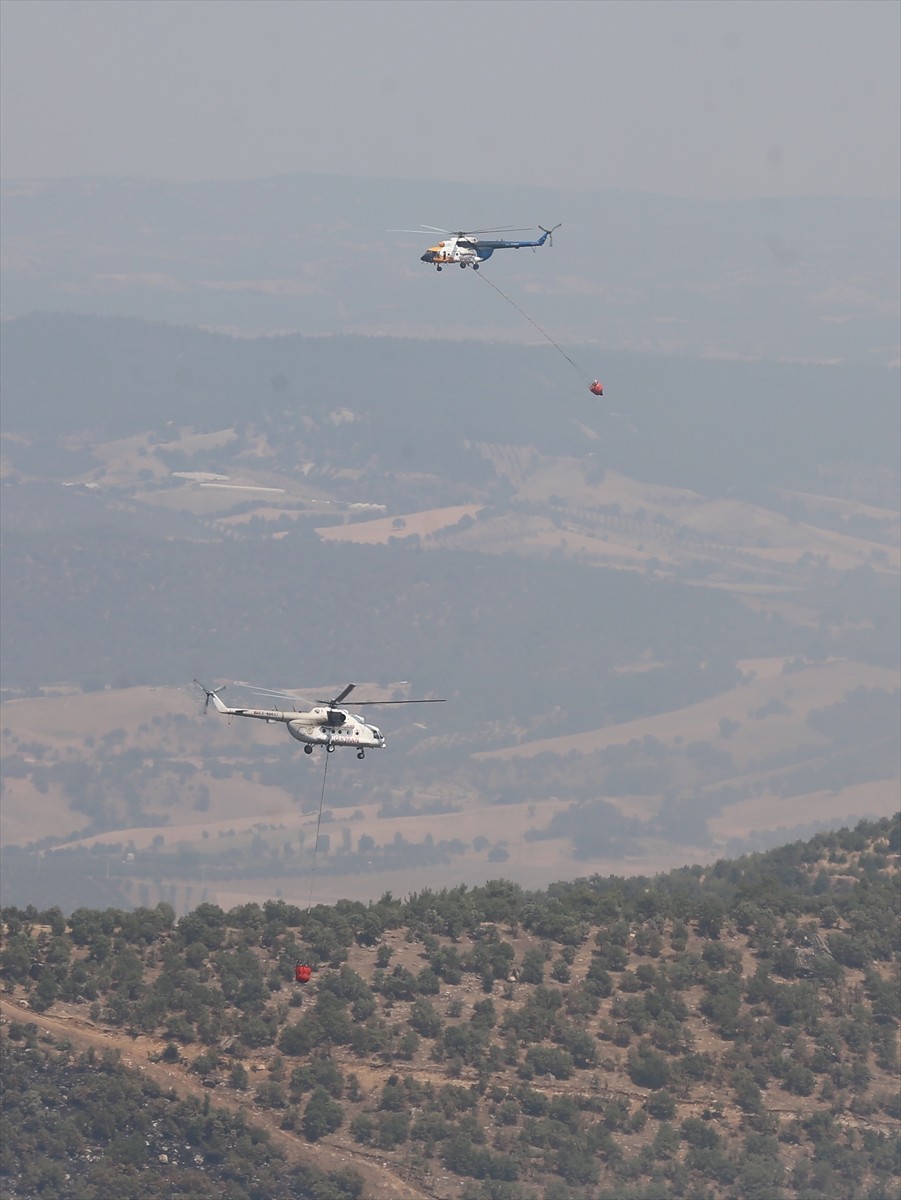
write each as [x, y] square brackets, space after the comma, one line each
[66, 1021]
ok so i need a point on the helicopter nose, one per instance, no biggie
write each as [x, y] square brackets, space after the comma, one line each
[426, 257]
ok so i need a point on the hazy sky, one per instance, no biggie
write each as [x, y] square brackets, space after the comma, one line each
[705, 98]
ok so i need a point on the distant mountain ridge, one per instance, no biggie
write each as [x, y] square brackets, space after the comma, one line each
[673, 420]
[813, 279]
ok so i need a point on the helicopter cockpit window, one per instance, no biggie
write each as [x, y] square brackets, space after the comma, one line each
[377, 732]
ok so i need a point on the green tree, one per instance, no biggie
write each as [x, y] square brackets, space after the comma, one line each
[576, 1166]
[711, 915]
[532, 969]
[647, 1068]
[301, 1037]
[424, 1019]
[393, 1130]
[322, 1116]
[363, 1129]
[661, 1105]
[666, 1143]
[17, 957]
[46, 992]
[747, 1092]
[546, 1060]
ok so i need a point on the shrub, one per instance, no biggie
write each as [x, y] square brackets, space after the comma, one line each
[699, 1133]
[394, 1129]
[560, 972]
[362, 1129]
[532, 970]
[321, 1116]
[647, 1068]
[546, 1060]
[661, 1105]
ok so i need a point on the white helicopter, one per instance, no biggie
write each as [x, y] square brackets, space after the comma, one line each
[324, 725]
[472, 249]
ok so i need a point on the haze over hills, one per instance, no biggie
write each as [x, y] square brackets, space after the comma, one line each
[618, 919]
[810, 279]
[665, 623]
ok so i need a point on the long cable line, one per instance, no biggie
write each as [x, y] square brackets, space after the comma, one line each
[318, 823]
[543, 332]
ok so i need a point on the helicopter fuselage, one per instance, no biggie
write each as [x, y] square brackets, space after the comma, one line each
[458, 250]
[326, 724]
[352, 731]
[331, 727]
[468, 250]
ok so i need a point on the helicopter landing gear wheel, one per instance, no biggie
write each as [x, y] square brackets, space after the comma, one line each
[437, 268]
[361, 754]
[462, 266]
[308, 749]
[330, 748]
[475, 266]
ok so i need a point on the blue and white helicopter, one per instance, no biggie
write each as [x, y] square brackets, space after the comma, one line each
[473, 248]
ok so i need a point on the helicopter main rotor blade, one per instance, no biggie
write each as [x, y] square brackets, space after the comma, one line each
[464, 233]
[274, 693]
[423, 229]
[467, 232]
[282, 695]
[499, 229]
[265, 691]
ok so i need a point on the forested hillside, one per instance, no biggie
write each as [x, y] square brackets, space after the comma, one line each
[728, 1034]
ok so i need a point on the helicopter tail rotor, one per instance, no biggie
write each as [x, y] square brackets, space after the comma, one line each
[549, 233]
[209, 693]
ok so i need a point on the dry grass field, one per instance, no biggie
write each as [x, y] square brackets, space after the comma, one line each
[559, 508]
[377, 532]
[623, 523]
[164, 724]
[811, 687]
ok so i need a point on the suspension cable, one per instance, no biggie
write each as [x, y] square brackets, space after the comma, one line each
[543, 332]
[318, 823]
